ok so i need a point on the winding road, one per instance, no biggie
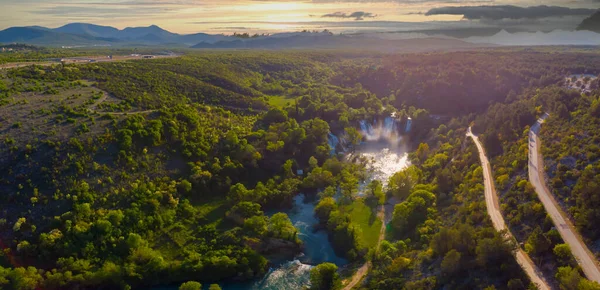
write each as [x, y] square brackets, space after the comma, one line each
[565, 227]
[493, 209]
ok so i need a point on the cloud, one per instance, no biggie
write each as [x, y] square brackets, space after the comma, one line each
[358, 15]
[509, 12]
[100, 12]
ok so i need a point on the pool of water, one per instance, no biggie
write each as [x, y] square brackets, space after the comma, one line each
[295, 274]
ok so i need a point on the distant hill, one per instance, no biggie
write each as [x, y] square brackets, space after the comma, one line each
[340, 41]
[153, 33]
[591, 23]
[31, 35]
[556, 37]
[88, 29]
[90, 34]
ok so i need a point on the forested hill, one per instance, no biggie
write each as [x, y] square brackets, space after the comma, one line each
[142, 173]
[356, 42]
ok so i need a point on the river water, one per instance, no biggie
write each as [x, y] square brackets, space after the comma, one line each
[296, 274]
[385, 154]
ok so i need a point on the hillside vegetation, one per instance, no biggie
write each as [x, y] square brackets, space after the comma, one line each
[143, 173]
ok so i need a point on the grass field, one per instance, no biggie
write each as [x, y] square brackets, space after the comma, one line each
[213, 211]
[366, 219]
[280, 101]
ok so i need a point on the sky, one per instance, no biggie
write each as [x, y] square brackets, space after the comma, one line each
[272, 16]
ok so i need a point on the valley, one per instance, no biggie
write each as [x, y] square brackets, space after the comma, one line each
[292, 169]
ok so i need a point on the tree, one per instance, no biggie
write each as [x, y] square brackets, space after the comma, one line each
[537, 243]
[492, 144]
[318, 178]
[568, 278]
[595, 109]
[324, 277]
[287, 169]
[313, 163]
[516, 284]
[324, 208]
[256, 225]
[190, 285]
[493, 251]
[413, 211]
[348, 185]
[3, 87]
[562, 111]
[25, 278]
[422, 151]
[375, 192]
[18, 224]
[185, 186]
[243, 210]
[281, 226]
[274, 116]
[4, 272]
[214, 287]
[353, 136]
[451, 263]
[402, 182]
[585, 284]
[563, 253]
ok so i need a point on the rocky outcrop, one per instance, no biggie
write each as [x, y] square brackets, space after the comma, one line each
[275, 247]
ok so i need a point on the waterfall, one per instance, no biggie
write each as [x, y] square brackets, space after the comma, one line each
[389, 126]
[408, 125]
[343, 141]
[388, 130]
[333, 143]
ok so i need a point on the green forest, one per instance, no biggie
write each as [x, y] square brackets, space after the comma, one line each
[178, 172]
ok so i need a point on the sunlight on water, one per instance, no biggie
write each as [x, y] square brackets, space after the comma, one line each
[290, 275]
[384, 150]
[385, 162]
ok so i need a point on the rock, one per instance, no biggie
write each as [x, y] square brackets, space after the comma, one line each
[276, 248]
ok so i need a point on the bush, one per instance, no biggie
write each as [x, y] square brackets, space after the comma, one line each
[191, 285]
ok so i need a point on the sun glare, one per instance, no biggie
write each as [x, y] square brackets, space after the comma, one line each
[266, 7]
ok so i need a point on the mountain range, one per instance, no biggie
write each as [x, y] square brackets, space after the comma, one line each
[91, 34]
[84, 34]
[329, 41]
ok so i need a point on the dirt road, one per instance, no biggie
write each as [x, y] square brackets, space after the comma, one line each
[82, 60]
[364, 269]
[567, 230]
[493, 209]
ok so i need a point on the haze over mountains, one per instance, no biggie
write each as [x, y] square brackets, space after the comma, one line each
[84, 34]
[90, 34]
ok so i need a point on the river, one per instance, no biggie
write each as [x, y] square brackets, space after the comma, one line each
[295, 274]
[386, 154]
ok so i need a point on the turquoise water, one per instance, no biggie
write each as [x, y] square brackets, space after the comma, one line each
[296, 274]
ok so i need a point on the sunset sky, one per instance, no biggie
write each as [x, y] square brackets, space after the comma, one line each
[227, 16]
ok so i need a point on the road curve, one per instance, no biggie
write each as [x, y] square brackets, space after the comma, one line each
[493, 209]
[582, 254]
